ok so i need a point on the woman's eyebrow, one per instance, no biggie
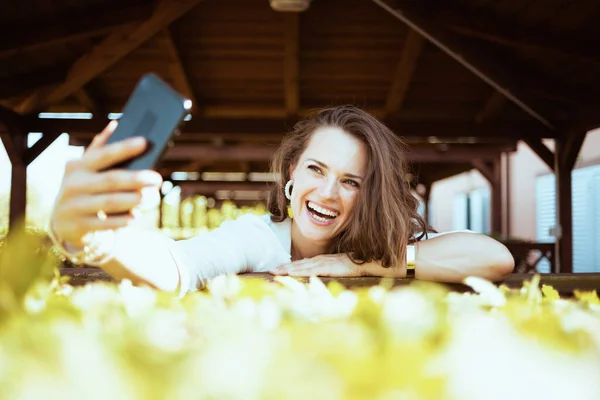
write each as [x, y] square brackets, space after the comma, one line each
[326, 167]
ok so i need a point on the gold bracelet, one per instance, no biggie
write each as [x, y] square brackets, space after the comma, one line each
[96, 251]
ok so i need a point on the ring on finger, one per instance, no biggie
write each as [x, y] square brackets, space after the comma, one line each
[101, 215]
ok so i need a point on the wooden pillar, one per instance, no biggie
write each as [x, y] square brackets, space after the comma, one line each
[496, 196]
[567, 147]
[13, 132]
[426, 197]
[492, 171]
[15, 143]
[564, 212]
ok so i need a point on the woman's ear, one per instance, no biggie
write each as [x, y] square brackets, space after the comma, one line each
[292, 169]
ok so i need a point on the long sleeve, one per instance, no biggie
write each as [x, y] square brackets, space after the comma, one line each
[246, 244]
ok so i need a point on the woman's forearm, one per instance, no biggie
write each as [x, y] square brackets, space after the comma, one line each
[142, 256]
[455, 256]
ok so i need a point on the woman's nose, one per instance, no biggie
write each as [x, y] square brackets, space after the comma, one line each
[330, 189]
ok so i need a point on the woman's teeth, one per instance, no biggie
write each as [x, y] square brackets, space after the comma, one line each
[327, 214]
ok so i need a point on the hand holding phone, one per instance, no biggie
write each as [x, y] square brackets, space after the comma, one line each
[153, 111]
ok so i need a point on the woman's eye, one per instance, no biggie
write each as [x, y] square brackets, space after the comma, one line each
[315, 169]
[352, 183]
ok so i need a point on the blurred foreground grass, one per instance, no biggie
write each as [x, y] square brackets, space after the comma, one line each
[251, 339]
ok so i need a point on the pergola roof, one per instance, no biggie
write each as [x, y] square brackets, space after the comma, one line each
[460, 79]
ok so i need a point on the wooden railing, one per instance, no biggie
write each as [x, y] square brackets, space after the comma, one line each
[528, 255]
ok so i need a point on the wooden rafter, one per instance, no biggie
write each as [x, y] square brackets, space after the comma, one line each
[291, 63]
[491, 28]
[177, 72]
[21, 84]
[479, 60]
[404, 72]
[81, 25]
[108, 52]
[492, 106]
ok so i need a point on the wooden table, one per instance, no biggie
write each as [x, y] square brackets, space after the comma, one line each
[565, 284]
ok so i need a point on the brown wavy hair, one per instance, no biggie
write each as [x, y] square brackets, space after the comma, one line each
[385, 217]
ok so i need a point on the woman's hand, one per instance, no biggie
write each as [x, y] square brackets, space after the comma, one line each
[337, 265]
[91, 192]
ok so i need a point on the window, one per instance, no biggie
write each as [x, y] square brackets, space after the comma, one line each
[472, 211]
[586, 217]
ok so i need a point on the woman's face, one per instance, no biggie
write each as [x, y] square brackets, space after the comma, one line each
[327, 180]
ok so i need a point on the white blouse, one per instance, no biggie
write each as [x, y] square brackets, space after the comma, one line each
[250, 243]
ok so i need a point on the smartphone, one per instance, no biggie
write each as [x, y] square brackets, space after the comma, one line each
[155, 111]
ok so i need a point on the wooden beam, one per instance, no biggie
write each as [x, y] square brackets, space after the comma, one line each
[108, 52]
[485, 168]
[573, 141]
[210, 128]
[177, 72]
[291, 63]
[423, 153]
[492, 106]
[493, 29]
[16, 85]
[202, 187]
[405, 69]
[224, 153]
[543, 152]
[93, 21]
[42, 144]
[480, 61]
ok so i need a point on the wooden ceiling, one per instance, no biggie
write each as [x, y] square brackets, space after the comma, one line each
[460, 79]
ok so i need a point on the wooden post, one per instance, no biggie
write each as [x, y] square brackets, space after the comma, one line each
[492, 171]
[564, 212]
[15, 143]
[565, 156]
[496, 197]
[426, 197]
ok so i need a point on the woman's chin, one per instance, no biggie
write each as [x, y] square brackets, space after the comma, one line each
[316, 232]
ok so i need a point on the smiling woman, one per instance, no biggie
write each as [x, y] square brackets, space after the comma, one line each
[342, 174]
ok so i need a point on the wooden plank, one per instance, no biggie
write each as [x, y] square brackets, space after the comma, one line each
[108, 52]
[480, 61]
[212, 127]
[543, 152]
[565, 284]
[492, 107]
[101, 20]
[493, 29]
[404, 72]
[177, 71]
[291, 63]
